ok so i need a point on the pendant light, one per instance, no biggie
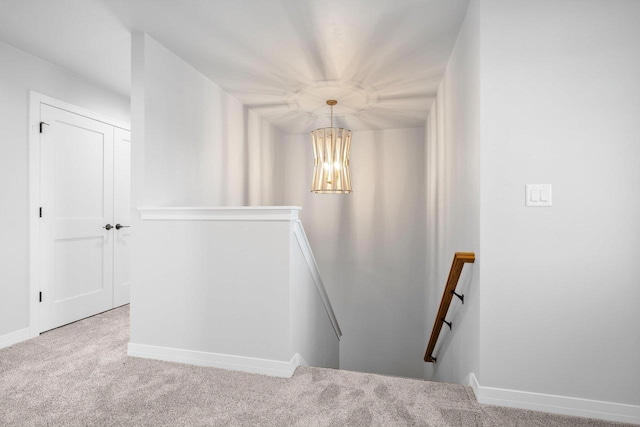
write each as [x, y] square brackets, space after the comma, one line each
[331, 146]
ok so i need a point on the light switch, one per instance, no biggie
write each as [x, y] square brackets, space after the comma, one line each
[535, 195]
[544, 194]
[538, 195]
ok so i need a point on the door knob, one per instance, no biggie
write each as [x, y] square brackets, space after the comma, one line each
[108, 226]
[118, 226]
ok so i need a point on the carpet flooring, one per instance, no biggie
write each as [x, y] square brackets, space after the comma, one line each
[80, 375]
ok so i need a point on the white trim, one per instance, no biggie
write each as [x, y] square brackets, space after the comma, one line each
[305, 247]
[61, 105]
[34, 203]
[222, 213]
[472, 381]
[565, 405]
[12, 338]
[274, 368]
[35, 100]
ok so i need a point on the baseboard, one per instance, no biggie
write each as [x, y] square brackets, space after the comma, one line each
[472, 381]
[564, 405]
[15, 337]
[274, 368]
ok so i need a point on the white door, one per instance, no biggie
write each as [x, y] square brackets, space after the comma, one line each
[77, 234]
[122, 216]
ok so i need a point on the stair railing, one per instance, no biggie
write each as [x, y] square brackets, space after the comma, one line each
[459, 260]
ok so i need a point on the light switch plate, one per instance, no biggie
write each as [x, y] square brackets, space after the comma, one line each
[538, 195]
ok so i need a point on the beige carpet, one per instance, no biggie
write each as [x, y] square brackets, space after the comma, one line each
[80, 375]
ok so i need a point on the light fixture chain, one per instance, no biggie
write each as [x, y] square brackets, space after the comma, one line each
[331, 116]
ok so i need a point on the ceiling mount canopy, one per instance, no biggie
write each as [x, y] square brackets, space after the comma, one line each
[331, 173]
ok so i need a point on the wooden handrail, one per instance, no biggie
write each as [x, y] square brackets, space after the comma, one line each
[459, 259]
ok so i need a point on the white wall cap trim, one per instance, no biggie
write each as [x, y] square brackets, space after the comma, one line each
[12, 338]
[274, 368]
[305, 247]
[222, 213]
[565, 405]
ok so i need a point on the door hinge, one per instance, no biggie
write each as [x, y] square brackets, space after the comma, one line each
[41, 124]
[40, 297]
[40, 212]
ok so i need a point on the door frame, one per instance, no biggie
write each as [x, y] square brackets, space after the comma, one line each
[35, 100]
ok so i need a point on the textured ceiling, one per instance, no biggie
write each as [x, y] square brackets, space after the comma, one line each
[381, 59]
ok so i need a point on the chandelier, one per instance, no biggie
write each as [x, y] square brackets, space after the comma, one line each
[331, 146]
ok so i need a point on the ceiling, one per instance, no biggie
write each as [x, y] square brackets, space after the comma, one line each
[381, 59]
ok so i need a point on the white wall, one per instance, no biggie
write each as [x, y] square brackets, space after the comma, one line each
[217, 285]
[195, 144]
[453, 205]
[230, 288]
[20, 73]
[540, 92]
[561, 106]
[370, 246]
[314, 331]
